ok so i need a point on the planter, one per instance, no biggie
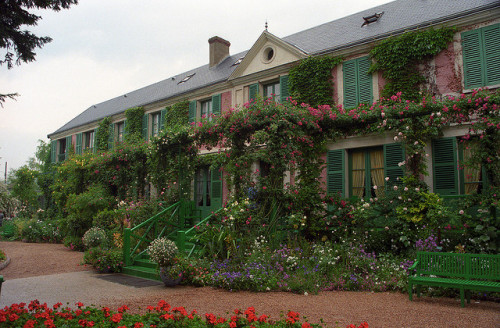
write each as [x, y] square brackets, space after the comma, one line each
[169, 279]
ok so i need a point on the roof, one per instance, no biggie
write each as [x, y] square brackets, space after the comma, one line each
[397, 17]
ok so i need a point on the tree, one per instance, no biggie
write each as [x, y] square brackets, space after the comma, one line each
[20, 44]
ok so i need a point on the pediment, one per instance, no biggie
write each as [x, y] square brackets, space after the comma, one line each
[267, 52]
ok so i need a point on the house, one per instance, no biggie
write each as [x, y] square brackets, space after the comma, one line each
[354, 165]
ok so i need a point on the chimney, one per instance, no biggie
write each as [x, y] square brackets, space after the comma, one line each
[219, 49]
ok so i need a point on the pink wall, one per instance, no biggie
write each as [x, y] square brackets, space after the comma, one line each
[73, 141]
[322, 177]
[335, 85]
[226, 101]
[447, 79]
[381, 83]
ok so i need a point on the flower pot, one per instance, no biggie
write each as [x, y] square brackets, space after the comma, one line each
[169, 278]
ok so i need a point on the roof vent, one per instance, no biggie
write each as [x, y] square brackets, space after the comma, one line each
[371, 19]
[238, 61]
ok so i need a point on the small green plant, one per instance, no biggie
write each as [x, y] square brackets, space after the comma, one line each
[74, 243]
[95, 237]
[162, 251]
[104, 260]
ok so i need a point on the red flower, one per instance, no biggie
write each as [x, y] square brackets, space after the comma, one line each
[117, 317]
[30, 324]
[123, 309]
[138, 325]
[306, 325]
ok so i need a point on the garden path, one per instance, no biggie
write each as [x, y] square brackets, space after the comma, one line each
[51, 273]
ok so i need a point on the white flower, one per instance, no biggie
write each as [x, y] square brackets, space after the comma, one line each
[415, 143]
[395, 187]
[395, 138]
[406, 188]
[438, 114]
[386, 178]
[461, 212]
[375, 187]
[417, 189]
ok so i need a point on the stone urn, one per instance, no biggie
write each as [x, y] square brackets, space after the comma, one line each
[169, 277]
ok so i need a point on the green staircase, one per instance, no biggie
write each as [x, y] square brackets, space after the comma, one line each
[174, 222]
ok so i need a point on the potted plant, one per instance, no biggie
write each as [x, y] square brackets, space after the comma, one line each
[163, 251]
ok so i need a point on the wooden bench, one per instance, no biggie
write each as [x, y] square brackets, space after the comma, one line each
[466, 272]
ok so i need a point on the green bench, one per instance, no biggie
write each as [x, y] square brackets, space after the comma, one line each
[466, 272]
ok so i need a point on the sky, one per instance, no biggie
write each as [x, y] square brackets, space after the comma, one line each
[103, 49]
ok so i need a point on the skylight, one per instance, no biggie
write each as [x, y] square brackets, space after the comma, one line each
[238, 61]
[186, 78]
[371, 19]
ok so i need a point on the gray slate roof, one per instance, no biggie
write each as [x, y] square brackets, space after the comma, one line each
[344, 32]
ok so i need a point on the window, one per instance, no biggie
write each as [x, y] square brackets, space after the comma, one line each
[120, 131]
[357, 82]
[481, 56]
[371, 170]
[367, 172]
[278, 90]
[89, 140]
[272, 90]
[205, 108]
[452, 172]
[62, 150]
[155, 124]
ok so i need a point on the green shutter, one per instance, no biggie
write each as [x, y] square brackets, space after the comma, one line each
[94, 149]
[124, 129]
[216, 104]
[78, 148]
[163, 113]
[284, 89]
[111, 136]
[393, 155]
[350, 84]
[335, 172]
[192, 111]
[145, 127]
[444, 160]
[253, 91]
[216, 189]
[364, 81]
[53, 151]
[472, 58]
[491, 42]
[68, 146]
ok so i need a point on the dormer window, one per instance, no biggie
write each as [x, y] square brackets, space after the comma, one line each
[372, 19]
[186, 78]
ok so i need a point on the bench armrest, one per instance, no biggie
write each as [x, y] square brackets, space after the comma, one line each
[414, 266]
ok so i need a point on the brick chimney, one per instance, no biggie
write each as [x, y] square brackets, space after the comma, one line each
[219, 49]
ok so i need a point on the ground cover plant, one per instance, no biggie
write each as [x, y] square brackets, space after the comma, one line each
[163, 314]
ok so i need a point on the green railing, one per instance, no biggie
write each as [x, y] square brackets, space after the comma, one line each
[143, 234]
[183, 235]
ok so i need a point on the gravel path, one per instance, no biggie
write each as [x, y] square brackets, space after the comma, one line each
[56, 263]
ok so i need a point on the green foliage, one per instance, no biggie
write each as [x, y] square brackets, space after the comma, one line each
[74, 243]
[311, 80]
[102, 137]
[133, 128]
[398, 58]
[82, 208]
[7, 202]
[25, 189]
[104, 260]
[37, 231]
[177, 114]
[95, 237]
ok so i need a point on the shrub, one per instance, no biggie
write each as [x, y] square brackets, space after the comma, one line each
[162, 251]
[74, 243]
[37, 231]
[104, 260]
[3, 257]
[95, 237]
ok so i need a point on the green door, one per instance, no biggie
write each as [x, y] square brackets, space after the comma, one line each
[208, 191]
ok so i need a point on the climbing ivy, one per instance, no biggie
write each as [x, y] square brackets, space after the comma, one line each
[177, 114]
[311, 80]
[397, 58]
[133, 128]
[103, 134]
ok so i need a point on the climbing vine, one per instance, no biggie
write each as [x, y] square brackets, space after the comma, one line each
[133, 128]
[103, 134]
[177, 114]
[398, 57]
[311, 80]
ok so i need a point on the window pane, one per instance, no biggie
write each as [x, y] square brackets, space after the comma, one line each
[377, 172]
[358, 174]
[472, 174]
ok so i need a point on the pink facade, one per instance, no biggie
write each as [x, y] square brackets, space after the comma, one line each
[448, 80]
[226, 101]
